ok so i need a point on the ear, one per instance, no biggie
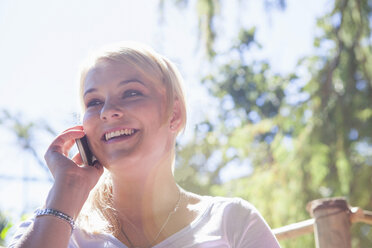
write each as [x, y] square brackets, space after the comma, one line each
[176, 118]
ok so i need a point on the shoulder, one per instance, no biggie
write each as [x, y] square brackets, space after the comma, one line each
[231, 206]
[239, 213]
[242, 222]
[21, 229]
[228, 206]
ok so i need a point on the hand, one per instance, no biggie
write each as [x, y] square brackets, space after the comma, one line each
[73, 180]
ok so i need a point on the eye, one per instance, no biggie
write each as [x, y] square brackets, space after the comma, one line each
[93, 102]
[131, 93]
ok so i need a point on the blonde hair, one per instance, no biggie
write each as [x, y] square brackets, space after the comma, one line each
[98, 214]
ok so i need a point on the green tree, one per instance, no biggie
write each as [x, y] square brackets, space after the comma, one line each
[5, 225]
[207, 12]
[309, 142]
[25, 132]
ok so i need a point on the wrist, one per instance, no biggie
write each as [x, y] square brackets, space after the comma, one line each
[67, 199]
[57, 214]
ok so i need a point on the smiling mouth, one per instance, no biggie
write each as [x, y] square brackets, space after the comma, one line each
[119, 133]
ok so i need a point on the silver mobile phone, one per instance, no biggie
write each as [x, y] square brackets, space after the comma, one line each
[85, 153]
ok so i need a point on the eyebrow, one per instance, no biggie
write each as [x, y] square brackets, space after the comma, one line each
[120, 84]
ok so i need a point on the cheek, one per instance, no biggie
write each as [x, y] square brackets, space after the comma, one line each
[88, 122]
[90, 129]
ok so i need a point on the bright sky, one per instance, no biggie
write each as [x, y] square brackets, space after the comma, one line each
[43, 41]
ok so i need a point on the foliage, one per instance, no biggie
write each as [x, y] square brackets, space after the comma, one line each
[5, 225]
[25, 132]
[207, 13]
[303, 138]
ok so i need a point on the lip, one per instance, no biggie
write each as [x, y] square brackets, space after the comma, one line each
[117, 129]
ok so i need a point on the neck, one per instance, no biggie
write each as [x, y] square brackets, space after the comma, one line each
[146, 196]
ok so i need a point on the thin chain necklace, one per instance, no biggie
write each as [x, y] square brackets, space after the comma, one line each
[162, 227]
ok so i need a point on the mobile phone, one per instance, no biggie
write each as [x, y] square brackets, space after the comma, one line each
[85, 153]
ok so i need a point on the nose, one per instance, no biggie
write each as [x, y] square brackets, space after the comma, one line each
[110, 110]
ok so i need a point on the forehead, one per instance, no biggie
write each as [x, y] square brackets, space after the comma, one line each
[115, 72]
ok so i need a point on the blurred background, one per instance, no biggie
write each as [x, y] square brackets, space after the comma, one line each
[279, 94]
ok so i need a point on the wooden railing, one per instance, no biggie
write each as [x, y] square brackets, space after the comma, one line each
[331, 222]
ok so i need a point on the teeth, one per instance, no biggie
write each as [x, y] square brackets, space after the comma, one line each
[125, 131]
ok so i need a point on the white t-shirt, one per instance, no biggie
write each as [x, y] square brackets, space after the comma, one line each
[224, 222]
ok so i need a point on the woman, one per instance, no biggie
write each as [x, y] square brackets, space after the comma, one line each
[133, 110]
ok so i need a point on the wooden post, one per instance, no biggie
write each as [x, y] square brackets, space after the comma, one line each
[332, 222]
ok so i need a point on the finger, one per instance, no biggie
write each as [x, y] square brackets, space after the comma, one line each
[59, 144]
[67, 146]
[71, 135]
[77, 159]
[54, 159]
[79, 127]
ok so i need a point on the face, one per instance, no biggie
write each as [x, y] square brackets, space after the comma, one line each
[125, 119]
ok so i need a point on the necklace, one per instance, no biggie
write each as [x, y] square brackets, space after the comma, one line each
[162, 227]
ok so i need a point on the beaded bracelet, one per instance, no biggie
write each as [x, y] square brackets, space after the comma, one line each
[56, 213]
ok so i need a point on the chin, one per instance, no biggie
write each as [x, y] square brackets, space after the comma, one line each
[117, 160]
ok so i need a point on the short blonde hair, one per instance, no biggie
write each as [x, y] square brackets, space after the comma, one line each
[98, 214]
[147, 62]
